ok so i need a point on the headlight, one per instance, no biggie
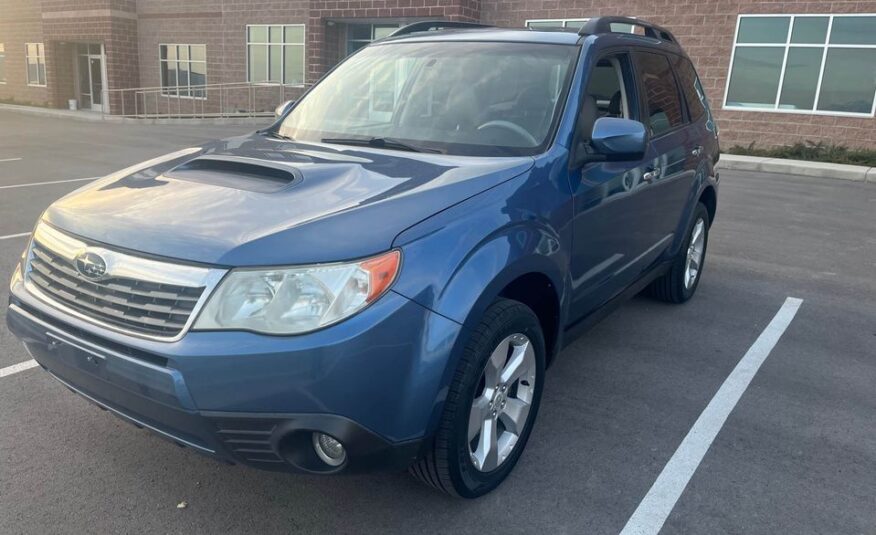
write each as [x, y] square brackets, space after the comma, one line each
[299, 299]
[16, 276]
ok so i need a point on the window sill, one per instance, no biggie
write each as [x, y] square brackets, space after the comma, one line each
[801, 112]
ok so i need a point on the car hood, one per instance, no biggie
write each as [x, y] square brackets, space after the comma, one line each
[255, 200]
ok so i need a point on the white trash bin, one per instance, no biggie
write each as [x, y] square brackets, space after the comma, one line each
[73, 104]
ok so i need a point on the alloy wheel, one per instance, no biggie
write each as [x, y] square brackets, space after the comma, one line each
[695, 253]
[502, 402]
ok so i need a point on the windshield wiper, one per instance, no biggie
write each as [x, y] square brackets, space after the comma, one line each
[378, 142]
[277, 135]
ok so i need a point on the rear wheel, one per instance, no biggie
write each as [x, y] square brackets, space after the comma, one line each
[681, 281]
[491, 405]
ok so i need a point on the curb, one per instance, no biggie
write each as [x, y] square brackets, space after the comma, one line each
[89, 116]
[857, 173]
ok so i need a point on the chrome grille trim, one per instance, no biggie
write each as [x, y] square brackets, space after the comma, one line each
[139, 296]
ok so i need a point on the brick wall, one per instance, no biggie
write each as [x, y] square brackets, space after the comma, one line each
[221, 26]
[20, 23]
[322, 56]
[706, 29]
[131, 31]
[112, 23]
[60, 73]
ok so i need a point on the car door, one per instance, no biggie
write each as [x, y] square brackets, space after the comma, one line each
[669, 171]
[702, 135]
[609, 237]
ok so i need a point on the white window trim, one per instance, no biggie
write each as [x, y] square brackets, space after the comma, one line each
[787, 45]
[564, 22]
[303, 44]
[43, 57]
[161, 82]
[3, 53]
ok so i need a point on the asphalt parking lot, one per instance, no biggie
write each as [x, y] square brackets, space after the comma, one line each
[797, 453]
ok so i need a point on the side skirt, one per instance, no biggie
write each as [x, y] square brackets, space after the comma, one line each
[574, 331]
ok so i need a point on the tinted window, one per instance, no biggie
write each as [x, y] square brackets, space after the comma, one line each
[661, 97]
[763, 29]
[690, 86]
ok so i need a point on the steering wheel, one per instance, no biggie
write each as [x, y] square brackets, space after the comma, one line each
[516, 128]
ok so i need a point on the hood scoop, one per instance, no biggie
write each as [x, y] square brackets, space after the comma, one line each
[249, 174]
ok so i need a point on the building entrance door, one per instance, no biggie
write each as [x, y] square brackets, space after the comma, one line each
[89, 73]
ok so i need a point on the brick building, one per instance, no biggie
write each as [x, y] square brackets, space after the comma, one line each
[776, 71]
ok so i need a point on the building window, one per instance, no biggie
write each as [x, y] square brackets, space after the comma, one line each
[275, 54]
[183, 70]
[35, 55]
[2, 63]
[574, 24]
[814, 64]
[360, 35]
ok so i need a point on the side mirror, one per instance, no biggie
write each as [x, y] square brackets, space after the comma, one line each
[281, 110]
[619, 139]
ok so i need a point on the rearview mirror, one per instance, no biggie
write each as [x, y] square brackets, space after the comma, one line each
[281, 110]
[619, 139]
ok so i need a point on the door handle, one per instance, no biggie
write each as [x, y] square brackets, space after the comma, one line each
[697, 150]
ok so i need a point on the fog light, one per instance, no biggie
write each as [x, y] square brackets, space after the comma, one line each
[329, 449]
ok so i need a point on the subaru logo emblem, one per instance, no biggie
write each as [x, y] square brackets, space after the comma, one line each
[90, 265]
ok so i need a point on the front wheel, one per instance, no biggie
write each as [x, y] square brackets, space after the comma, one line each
[491, 406]
[681, 281]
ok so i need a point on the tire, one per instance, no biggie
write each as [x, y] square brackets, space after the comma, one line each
[448, 464]
[675, 286]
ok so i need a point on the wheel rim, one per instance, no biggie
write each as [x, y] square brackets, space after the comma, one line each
[695, 253]
[502, 401]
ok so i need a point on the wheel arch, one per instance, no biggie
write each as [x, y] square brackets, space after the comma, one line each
[709, 197]
[537, 291]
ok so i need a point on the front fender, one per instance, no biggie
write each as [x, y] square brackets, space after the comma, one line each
[457, 262]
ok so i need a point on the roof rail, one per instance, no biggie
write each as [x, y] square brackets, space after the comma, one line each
[432, 25]
[603, 25]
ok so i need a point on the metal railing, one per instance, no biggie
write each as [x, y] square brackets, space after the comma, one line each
[236, 99]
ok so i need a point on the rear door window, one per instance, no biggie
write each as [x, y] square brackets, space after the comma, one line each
[691, 87]
[661, 99]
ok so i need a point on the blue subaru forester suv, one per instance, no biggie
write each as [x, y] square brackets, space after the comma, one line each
[380, 278]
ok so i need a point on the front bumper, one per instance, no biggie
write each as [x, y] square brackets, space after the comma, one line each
[373, 383]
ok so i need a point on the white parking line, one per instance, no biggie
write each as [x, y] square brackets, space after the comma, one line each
[9, 160]
[19, 235]
[20, 367]
[655, 507]
[49, 182]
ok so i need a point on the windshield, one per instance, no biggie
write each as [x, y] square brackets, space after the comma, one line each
[467, 98]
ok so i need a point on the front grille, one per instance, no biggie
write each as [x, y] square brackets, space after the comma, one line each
[138, 306]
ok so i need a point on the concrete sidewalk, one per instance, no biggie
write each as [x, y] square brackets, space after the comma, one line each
[857, 173]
